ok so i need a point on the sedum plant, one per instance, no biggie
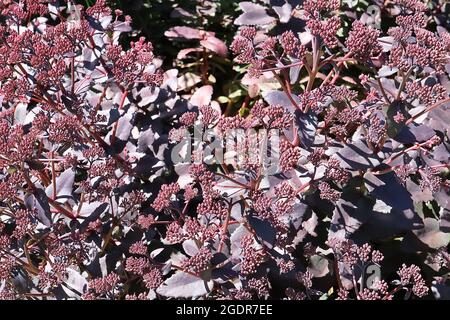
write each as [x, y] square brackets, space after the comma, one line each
[325, 178]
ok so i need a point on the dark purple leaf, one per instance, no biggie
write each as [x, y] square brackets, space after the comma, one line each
[414, 133]
[183, 285]
[263, 229]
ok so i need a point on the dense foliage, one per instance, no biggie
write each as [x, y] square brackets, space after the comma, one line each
[274, 149]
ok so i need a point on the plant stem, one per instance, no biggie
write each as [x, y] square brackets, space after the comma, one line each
[434, 106]
[287, 91]
[403, 84]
